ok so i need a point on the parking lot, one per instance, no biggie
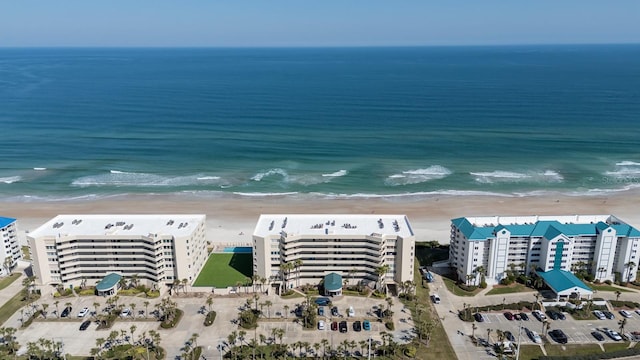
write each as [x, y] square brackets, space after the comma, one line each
[577, 331]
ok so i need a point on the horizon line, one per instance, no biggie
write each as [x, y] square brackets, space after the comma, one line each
[309, 46]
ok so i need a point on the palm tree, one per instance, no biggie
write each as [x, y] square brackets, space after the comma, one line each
[622, 323]
[209, 302]
[132, 328]
[600, 271]
[268, 303]
[381, 271]
[537, 296]
[263, 281]
[629, 266]
[56, 303]
[286, 311]
[95, 307]
[254, 281]
[618, 293]
[184, 284]
[489, 331]
[324, 343]
[473, 330]
[146, 308]
[297, 264]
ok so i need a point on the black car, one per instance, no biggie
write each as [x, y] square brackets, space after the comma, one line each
[334, 311]
[524, 316]
[609, 315]
[558, 336]
[85, 325]
[343, 326]
[66, 311]
[561, 316]
[553, 315]
[357, 326]
[334, 326]
[508, 315]
[597, 336]
[509, 336]
[478, 317]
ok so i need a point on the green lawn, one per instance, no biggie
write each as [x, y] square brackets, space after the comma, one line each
[530, 352]
[456, 290]
[609, 347]
[605, 287]
[25, 253]
[12, 306]
[6, 281]
[572, 349]
[223, 270]
[514, 288]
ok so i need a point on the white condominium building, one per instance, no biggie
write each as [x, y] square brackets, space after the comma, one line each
[601, 244]
[10, 251]
[354, 246]
[157, 249]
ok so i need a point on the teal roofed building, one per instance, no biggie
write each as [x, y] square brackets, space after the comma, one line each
[332, 284]
[565, 285]
[109, 285]
[598, 245]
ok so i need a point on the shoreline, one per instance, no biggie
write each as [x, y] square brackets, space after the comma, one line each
[233, 219]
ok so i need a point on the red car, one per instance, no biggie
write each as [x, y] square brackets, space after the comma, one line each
[508, 315]
[334, 326]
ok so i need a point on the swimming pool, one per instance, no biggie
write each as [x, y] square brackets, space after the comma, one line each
[238, 250]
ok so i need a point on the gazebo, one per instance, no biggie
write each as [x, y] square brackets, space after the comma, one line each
[333, 284]
[108, 285]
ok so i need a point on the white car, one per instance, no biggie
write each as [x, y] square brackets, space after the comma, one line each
[126, 312]
[612, 334]
[83, 312]
[599, 314]
[321, 325]
[435, 298]
[351, 312]
[626, 314]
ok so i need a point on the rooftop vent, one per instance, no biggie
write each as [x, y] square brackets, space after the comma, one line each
[170, 222]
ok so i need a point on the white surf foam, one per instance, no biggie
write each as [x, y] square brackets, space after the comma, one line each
[627, 163]
[261, 194]
[511, 176]
[417, 176]
[121, 178]
[337, 173]
[10, 179]
[271, 172]
[39, 168]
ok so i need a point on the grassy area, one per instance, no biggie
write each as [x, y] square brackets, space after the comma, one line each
[25, 253]
[530, 352]
[513, 288]
[223, 270]
[428, 255]
[609, 347]
[572, 349]
[6, 281]
[439, 346]
[12, 306]
[455, 290]
[605, 287]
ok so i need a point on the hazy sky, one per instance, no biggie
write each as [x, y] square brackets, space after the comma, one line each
[316, 23]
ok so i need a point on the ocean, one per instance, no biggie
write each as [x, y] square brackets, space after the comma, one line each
[319, 122]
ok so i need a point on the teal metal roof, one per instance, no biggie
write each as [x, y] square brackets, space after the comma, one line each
[108, 282]
[333, 282]
[561, 280]
[547, 229]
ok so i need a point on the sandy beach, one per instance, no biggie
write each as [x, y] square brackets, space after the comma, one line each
[233, 220]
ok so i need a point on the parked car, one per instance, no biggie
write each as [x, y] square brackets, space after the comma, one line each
[366, 325]
[85, 325]
[323, 301]
[321, 310]
[637, 311]
[599, 314]
[435, 298]
[625, 314]
[334, 326]
[334, 311]
[539, 315]
[597, 336]
[609, 315]
[524, 317]
[321, 325]
[125, 312]
[478, 317]
[553, 315]
[508, 315]
[351, 312]
[533, 336]
[66, 311]
[343, 326]
[83, 312]
[558, 336]
[517, 316]
[357, 325]
[612, 334]
[509, 336]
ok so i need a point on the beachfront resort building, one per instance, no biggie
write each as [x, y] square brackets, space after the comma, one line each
[295, 250]
[10, 251]
[72, 250]
[553, 246]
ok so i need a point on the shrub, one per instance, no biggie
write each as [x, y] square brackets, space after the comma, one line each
[87, 292]
[208, 320]
[171, 323]
[153, 294]
[410, 351]
[389, 325]
[608, 282]
[287, 293]
[483, 282]
[249, 318]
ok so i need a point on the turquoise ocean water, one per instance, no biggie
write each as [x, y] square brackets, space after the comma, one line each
[321, 122]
